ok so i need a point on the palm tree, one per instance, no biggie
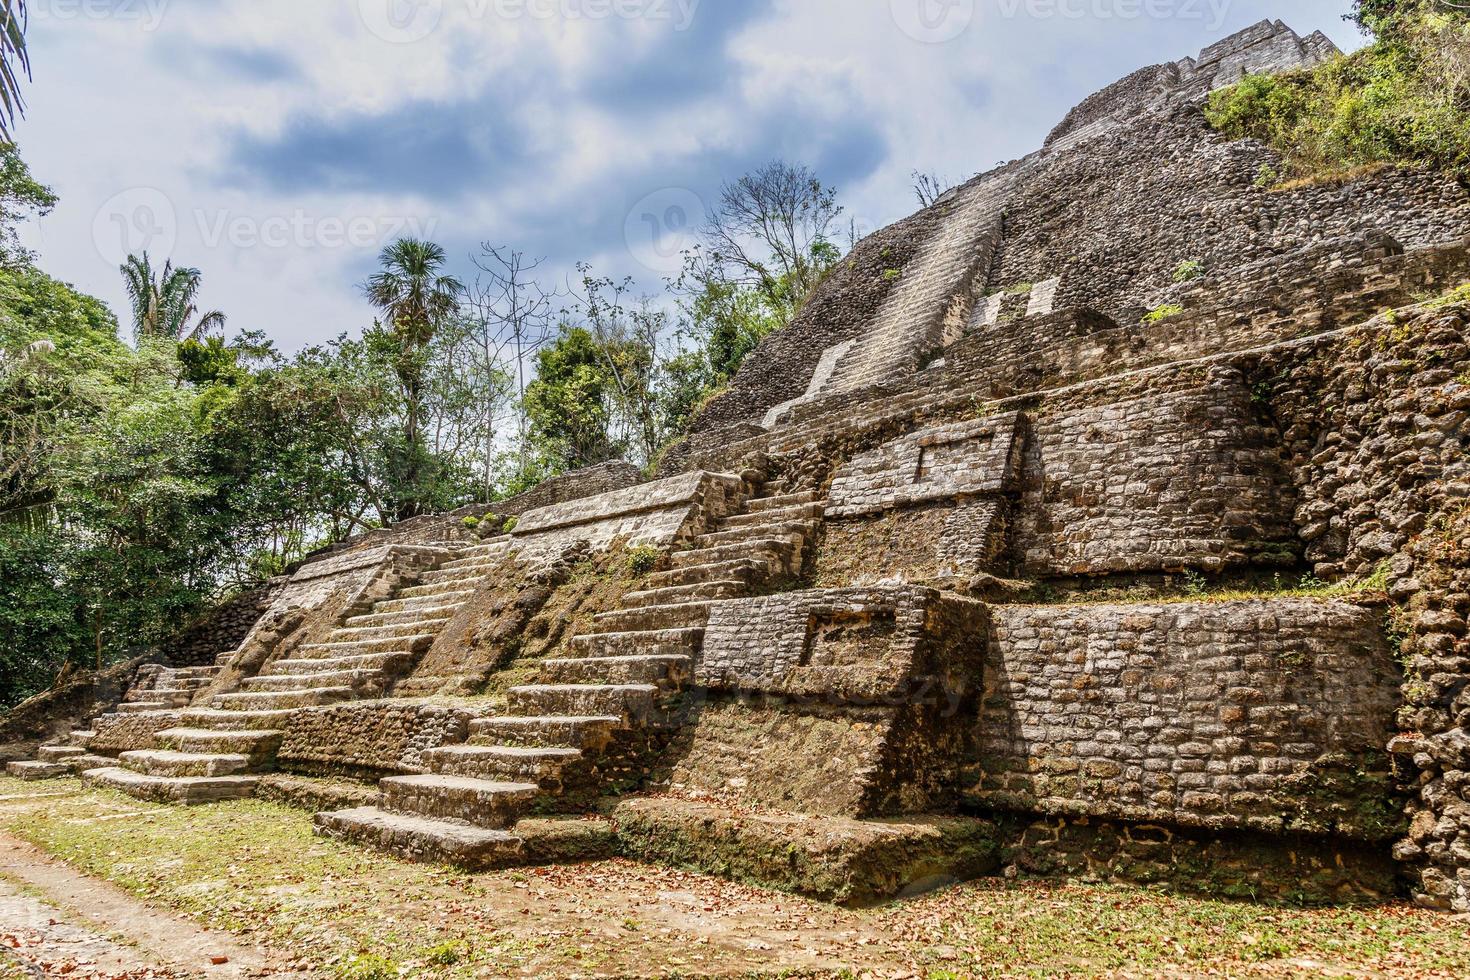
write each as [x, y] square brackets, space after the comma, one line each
[14, 58]
[415, 297]
[163, 305]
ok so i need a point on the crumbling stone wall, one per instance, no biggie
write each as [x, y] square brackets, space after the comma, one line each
[847, 702]
[1161, 482]
[369, 738]
[1264, 715]
[1096, 215]
[1375, 421]
[221, 629]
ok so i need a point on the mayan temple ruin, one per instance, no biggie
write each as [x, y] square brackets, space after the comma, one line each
[991, 563]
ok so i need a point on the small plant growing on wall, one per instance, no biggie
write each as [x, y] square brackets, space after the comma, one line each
[643, 560]
[1162, 312]
[1189, 270]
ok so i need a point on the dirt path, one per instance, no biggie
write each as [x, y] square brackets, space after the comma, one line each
[59, 921]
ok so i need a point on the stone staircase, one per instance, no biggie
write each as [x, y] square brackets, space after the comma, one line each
[156, 688]
[219, 748]
[585, 730]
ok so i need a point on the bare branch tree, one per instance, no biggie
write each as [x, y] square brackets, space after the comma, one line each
[513, 317]
[770, 227]
[930, 187]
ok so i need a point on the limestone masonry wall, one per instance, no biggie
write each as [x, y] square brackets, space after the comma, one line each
[369, 738]
[659, 514]
[1264, 715]
[1162, 482]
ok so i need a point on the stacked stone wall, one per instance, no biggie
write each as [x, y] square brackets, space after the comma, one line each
[1269, 715]
[846, 703]
[1158, 483]
[221, 629]
[369, 738]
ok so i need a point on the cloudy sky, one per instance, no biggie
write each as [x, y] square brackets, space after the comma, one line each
[277, 144]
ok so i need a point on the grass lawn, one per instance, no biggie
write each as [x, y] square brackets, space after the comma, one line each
[255, 870]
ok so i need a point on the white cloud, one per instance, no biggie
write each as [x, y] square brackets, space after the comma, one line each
[604, 111]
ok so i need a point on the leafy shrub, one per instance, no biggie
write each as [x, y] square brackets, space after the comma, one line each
[641, 561]
[1189, 270]
[1162, 312]
[470, 523]
[1402, 99]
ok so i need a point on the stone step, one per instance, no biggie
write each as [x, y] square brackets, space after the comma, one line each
[776, 515]
[86, 763]
[417, 643]
[260, 743]
[472, 573]
[674, 643]
[224, 659]
[422, 839]
[166, 762]
[391, 663]
[205, 673]
[676, 594]
[358, 680]
[361, 634]
[82, 737]
[648, 618]
[36, 771]
[559, 732]
[781, 500]
[434, 613]
[776, 552]
[142, 707]
[655, 669]
[188, 790]
[463, 588]
[796, 532]
[745, 570]
[451, 600]
[625, 701]
[309, 698]
[478, 802]
[182, 683]
[213, 718]
[481, 565]
[175, 695]
[58, 753]
[507, 763]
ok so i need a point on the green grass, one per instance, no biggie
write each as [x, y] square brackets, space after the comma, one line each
[255, 870]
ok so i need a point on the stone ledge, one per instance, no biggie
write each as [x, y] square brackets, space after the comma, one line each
[849, 862]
